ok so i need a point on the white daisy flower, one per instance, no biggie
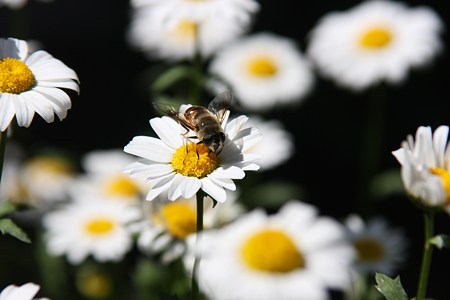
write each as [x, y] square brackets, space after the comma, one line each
[26, 291]
[233, 11]
[294, 254]
[104, 177]
[11, 187]
[170, 223]
[30, 83]
[17, 4]
[151, 34]
[272, 153]
[263, 71]
[90, 226]
[373, 42]
[47, 178]
[379, 248]
[174, 164]
[425, 167]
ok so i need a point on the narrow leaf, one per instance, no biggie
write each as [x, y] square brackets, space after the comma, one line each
[170, 77]
[7, 226]
[441, 241]
[391, 289]
[6, 208]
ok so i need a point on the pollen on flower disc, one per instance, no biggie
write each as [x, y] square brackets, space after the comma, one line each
[15, 76]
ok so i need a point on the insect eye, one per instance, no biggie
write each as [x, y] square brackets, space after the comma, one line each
[207, 139]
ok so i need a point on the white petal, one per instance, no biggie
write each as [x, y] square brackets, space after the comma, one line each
[232, 172]
[40, 104]
[159, 187]
[57, 96]
[24, 115]
[400, 155]
[190, 186]
[7, 110]
[168, 130]
[175, 188]
[138, 169]
[224, 182]
[216, 192]
[440, 141]
[149, 148]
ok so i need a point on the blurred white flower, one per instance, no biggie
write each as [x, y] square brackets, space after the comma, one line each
[425, 167]
[294, 254]
[171, 29]
[379, 248]
[30, 83]
[90, 226]
[263, 70]
[277, 145]
[17, 4]
[373, 42]
[175, 164]
[169, 223]
[104, 177]
[11, 187]
[26, 291]
[47, 178]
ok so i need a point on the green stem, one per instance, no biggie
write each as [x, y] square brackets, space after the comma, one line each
[427, 254]
[200, 196]
[3, 139]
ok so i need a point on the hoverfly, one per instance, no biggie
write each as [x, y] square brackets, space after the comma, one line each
[205, 122]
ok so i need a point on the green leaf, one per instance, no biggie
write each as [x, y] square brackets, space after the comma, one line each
[391, 289]
[7, 226]
[441, 241]
[386, 184]
[170, 77]
[6, 208]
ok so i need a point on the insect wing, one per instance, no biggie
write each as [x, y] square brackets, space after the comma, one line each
[170, 111]
[167, 109]
[219, 105]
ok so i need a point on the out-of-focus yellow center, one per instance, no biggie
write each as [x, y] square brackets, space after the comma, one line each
[180, 219]
[194, 160]
[262, 66]
[94, 285]
[271, 251]
[445, 179]
[369, 250]
[15, 76]
[99, 226]
[185, 29]
[121, 186]
[375, 38]
[50, 165]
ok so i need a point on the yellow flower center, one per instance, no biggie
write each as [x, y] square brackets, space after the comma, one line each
[369, 250]
[94, 285]
[185, 29]
[51, 165]
[121, 185]
[272, 251]
[100, 226]
[180, 219]
[194, 160]
[15, 76]
[445, 179]
[376, 38]
[262, 66]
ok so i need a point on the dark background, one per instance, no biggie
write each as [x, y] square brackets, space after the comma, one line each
[329, 127]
